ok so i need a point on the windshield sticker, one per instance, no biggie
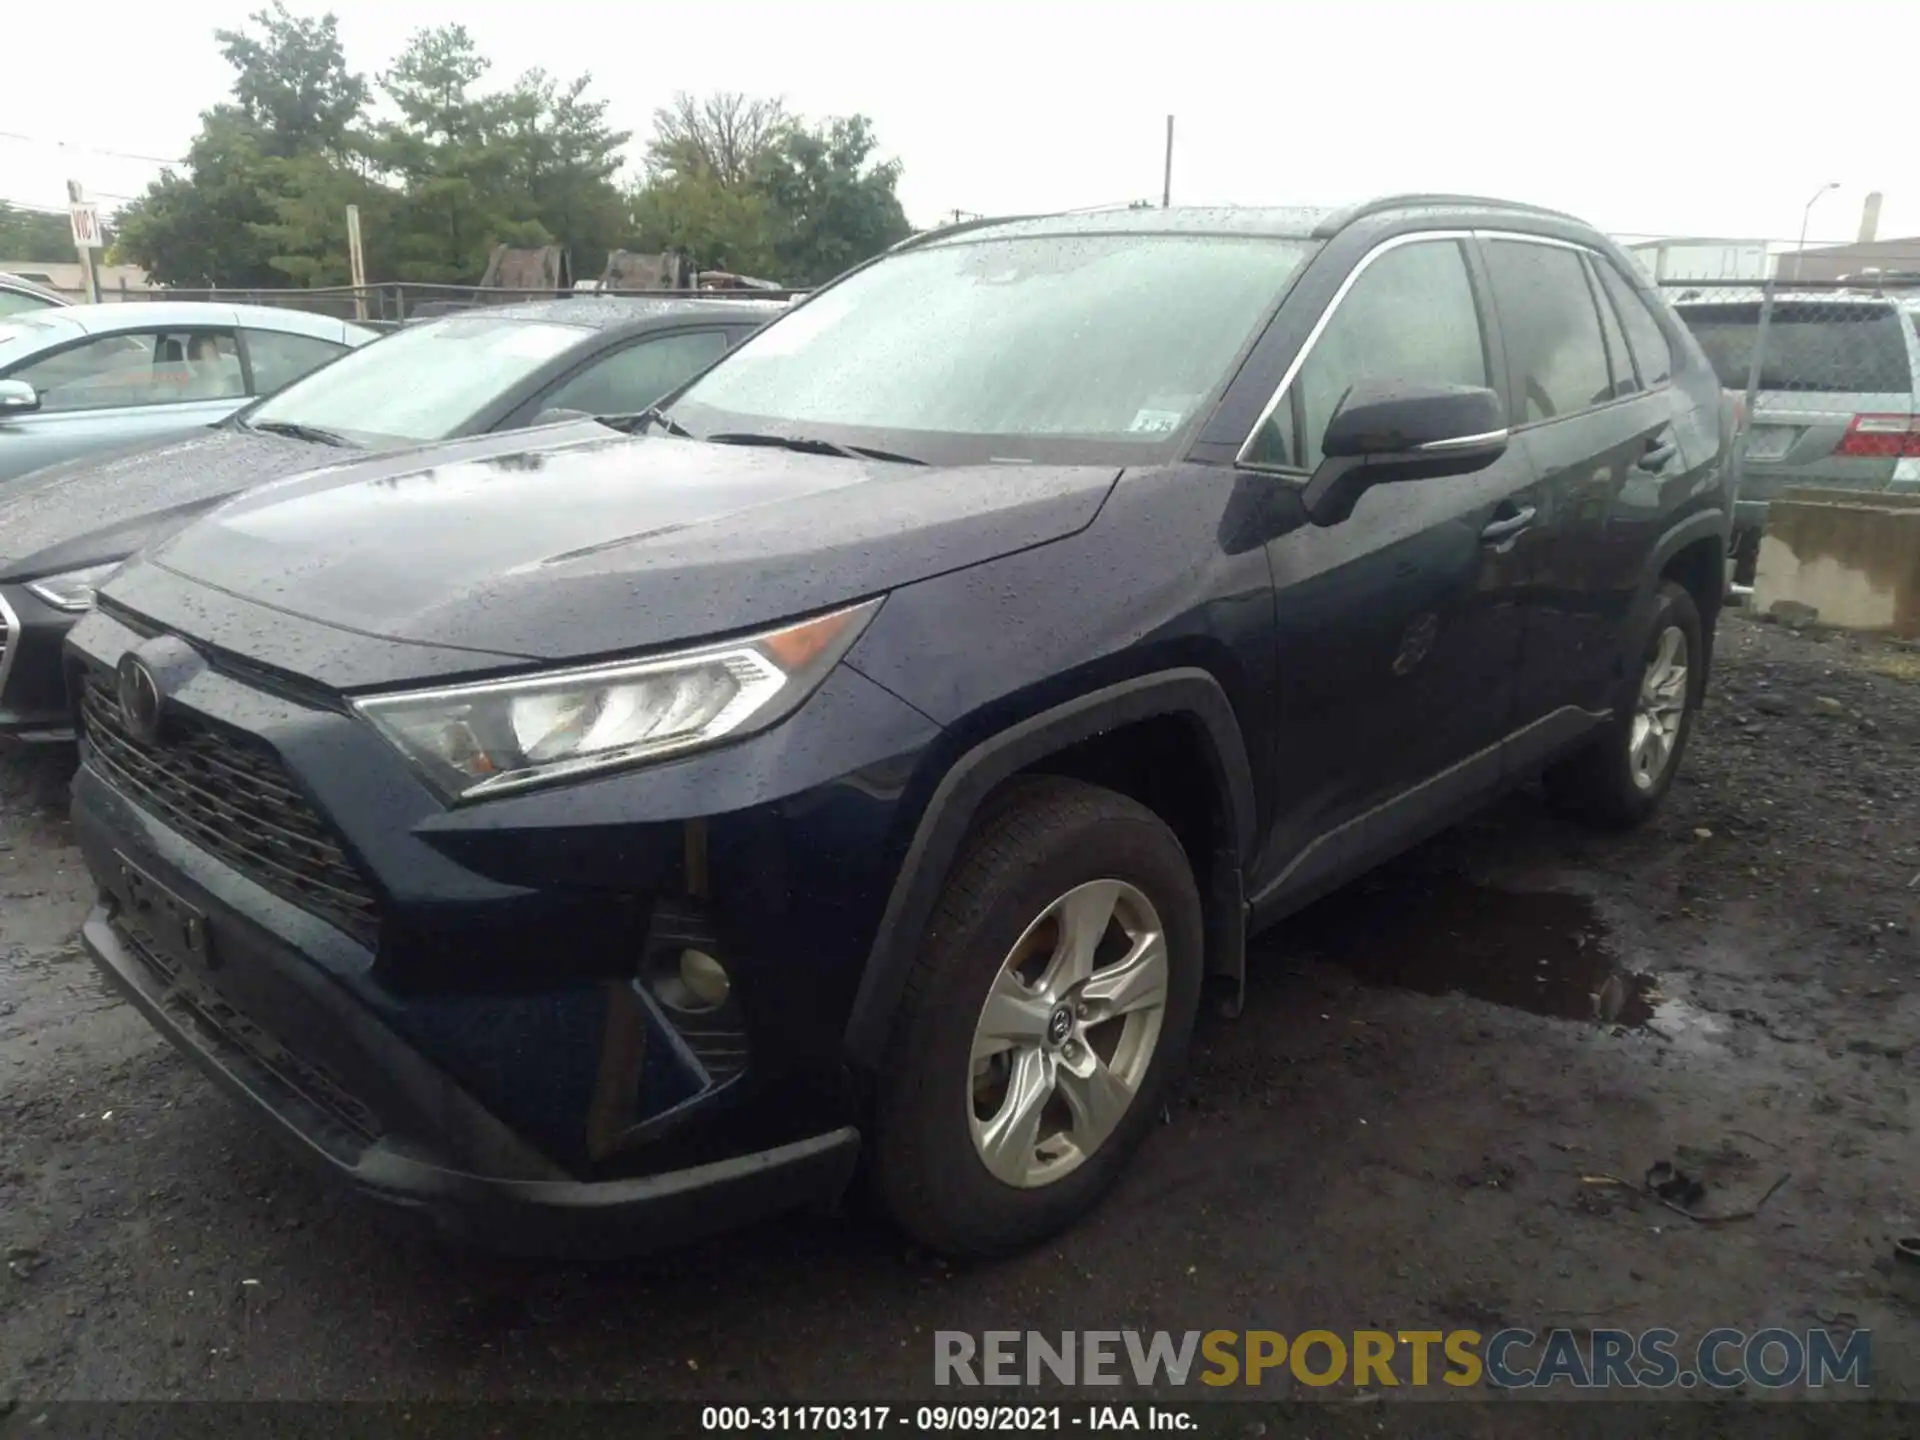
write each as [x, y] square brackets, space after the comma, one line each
[1154, 422]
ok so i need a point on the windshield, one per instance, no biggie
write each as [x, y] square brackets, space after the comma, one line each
[1116, 339]
[1812, 345]
[420, 383]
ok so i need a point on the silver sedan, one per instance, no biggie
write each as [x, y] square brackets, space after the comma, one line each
[96, 377]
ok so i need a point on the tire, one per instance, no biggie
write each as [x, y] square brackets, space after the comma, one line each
[1607, 782]
[1038, 868]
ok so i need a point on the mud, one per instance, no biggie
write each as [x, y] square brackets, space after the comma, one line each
[1399, 1133]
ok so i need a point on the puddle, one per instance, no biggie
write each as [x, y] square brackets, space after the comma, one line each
[1546, 952]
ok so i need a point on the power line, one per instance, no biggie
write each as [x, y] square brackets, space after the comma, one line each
[89, 149]
[30, 205]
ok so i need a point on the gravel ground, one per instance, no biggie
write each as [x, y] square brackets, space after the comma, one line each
[1394, 1135]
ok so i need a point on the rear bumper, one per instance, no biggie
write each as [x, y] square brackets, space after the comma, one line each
[513, 1214]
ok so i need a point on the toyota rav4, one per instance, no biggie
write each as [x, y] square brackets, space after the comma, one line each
[864, 766]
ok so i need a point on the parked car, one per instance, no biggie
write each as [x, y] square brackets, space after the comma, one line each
[19, 295]
[66, 527]
[1838, 403]
[871, 758]
[88, 378]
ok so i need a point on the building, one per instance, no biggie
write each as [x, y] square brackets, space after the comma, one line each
[1703, 258]
[1857, 261]
[117, 282]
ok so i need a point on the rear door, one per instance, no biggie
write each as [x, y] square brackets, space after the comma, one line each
[1603, 444]
[1836, 392]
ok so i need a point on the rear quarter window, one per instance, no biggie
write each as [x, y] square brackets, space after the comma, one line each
[1833, 347]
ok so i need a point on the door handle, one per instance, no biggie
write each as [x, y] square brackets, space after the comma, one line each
[1508, 525]
[1659, 452]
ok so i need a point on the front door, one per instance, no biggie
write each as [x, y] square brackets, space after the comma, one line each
[1399, 629]
[115, 390]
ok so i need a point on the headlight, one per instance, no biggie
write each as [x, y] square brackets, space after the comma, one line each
[480, 739]
[74, 589]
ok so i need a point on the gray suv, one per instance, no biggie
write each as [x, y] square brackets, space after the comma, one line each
[1836, 404]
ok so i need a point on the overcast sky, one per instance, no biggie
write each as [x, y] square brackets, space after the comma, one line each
[1692, 117]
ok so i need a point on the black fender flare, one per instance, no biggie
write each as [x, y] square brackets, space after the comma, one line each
[1190, 692]
[1715, 524]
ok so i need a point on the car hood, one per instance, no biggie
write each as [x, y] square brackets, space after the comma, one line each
[104, 507]
[600, 547]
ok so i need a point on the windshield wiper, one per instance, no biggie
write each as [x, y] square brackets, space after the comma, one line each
[812, 445]
[638, 424]
[295, 431]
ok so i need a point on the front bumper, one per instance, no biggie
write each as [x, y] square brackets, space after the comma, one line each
[33, 690]
[475, 1035]
[347, 1092]
[513, 1214]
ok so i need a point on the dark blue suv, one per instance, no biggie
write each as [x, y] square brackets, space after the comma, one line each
[864, 765]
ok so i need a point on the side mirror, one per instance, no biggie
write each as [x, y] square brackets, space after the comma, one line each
[1387, 431]
[17, 397]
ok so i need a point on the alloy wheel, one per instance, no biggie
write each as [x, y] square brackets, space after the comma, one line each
[1067, 1033]
[1660, 709]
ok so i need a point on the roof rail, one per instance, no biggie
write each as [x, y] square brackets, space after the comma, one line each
[941, 232]
[1340, 219]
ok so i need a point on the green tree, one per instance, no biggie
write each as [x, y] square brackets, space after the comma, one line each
[221, 222]
[307, 238]
[738, 183]
[829, 203]
[34, 235]
[565, 160]
[725, 136]
[292, 81]
[198, 228]
[723, 227]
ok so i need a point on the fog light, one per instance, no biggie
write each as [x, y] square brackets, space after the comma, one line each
[688, 981]
[705, 979]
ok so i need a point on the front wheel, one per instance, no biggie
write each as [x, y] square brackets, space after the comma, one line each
[1621, 777]
[1045, 1016]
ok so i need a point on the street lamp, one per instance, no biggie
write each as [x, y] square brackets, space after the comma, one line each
[1806, 215]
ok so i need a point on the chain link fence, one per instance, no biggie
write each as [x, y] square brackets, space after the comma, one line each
[1830, 376]
[396, 302]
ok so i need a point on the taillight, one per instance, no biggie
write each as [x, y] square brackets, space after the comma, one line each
[1881, 437]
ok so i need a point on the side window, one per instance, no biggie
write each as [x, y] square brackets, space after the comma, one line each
[1551, 326]
[1652, 355]
[165, 367]
[280, 359]
[632, 379]
[1619, 362]
[1410, 316]
[18, 302]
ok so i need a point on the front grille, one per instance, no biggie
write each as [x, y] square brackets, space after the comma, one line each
[236, 801]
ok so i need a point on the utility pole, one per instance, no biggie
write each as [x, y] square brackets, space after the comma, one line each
[356, 263]
[86, 238]
[1166, 183]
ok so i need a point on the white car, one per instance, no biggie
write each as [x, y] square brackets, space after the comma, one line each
[79, 378]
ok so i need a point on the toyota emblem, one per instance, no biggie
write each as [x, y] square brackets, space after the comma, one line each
[140, 702]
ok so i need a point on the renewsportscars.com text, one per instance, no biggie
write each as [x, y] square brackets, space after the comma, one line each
[1513, 1358]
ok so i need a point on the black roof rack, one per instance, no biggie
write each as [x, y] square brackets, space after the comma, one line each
[1340, 219]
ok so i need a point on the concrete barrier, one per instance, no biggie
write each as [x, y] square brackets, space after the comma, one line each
[1852, 557]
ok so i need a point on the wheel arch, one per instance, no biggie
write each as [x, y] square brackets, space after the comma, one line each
[1692, 553]
[1188, 696]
